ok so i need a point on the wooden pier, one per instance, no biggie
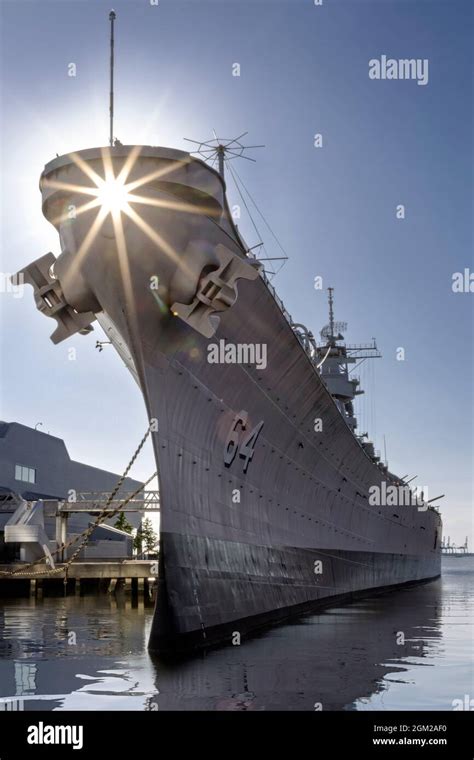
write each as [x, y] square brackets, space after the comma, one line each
[116, 576]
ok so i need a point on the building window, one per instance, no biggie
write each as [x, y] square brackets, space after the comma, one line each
[26, 474]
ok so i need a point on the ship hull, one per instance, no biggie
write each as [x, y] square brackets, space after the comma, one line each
[264, 514]
[213, 589]
[301, 532]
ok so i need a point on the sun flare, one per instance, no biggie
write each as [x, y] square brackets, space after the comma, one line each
[113, 196]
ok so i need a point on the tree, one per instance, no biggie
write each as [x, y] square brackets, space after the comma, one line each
[146, 539]
[123, 524]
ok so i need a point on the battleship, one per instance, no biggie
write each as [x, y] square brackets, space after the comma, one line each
[264, 479]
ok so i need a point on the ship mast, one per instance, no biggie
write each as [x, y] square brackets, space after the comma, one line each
[112, 17]
[331, 314]
[333, 358]
[221, 150]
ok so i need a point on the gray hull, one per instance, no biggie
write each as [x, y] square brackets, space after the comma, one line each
[245, 540]
[229, 566]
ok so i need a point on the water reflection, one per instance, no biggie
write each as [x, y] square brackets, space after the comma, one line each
[325, 661]
[385, 652]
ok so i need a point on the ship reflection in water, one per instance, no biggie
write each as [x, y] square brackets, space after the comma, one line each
[90, 653]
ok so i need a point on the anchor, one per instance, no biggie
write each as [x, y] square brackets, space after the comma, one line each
[217, 292]
[49, 299]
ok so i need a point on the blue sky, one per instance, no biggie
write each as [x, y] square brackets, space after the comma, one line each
[304, 70]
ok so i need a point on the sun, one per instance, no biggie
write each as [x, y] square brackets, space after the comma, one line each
[113, 196]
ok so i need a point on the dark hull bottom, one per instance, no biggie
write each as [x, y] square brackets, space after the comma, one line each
[267, 585]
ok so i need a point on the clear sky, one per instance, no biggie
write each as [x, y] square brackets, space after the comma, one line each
[304, 70]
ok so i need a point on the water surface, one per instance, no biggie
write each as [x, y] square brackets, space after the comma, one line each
[410, 649]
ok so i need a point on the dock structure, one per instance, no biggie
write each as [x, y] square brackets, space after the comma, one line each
[449, 549]
[43, 564]
[96, 503]
[133, 576]
[49, 528]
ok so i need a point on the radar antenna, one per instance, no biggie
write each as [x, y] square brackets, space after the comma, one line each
[332, 332]
[219, 150]
[331, 310]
